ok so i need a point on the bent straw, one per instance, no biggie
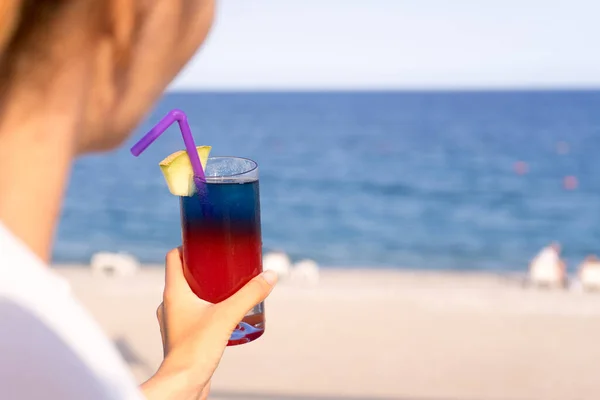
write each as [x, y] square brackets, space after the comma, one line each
[188, 140]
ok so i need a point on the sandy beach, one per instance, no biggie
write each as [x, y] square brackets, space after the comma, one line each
[381, 334]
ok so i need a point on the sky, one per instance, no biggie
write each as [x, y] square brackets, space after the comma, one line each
[398, 44]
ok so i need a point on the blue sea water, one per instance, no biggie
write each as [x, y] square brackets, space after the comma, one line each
[388, 179]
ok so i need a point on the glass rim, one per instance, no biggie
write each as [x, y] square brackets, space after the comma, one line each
[252, 168]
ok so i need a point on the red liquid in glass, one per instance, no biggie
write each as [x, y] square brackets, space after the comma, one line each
[222, 247]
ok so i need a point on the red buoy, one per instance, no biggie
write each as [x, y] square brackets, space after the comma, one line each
[521, 167]
[570, 182]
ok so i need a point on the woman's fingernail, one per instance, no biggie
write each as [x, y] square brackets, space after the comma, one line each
[270, 277]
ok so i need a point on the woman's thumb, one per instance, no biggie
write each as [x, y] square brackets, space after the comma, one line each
[255, 291]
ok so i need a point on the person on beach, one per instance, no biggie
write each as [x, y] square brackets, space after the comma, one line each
[547, 268]
[76, 76]
[589, 273]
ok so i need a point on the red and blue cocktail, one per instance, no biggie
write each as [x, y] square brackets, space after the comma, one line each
[222, 245]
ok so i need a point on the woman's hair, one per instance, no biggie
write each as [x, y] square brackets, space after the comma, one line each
[9, 16]
[33, 33]
[24, 32]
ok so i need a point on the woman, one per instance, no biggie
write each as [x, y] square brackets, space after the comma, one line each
[75, 77]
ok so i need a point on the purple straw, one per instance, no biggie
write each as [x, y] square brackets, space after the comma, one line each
[188, 139]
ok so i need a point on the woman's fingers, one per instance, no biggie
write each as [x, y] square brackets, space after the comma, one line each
[230, 312]
[160, 316]
[255, 291]
[205, 392]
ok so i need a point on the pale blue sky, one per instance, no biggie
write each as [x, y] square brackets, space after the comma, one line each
[337, 44]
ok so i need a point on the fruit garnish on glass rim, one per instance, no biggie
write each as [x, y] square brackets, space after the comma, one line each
[177, 170]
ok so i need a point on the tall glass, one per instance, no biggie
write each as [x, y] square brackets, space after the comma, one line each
[222, 245]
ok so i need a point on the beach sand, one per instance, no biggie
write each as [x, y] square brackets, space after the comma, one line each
[380, 334]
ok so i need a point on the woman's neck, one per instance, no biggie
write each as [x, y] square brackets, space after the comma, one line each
[37, 144]
[35, 158]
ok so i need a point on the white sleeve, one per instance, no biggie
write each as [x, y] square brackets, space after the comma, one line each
[36, 363]
[50, 346]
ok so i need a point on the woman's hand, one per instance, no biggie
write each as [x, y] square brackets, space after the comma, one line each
[195, 332]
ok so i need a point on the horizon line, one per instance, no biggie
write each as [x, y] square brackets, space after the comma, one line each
[407, 89]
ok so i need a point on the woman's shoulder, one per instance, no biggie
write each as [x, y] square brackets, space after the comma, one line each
[51, 346]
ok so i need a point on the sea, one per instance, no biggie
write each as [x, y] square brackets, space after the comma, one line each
[421, 180]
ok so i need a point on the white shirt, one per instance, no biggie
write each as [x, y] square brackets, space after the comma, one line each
[50, 347]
